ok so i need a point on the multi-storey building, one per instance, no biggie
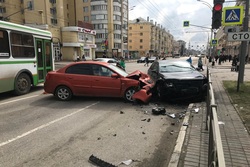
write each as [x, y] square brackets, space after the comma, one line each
[146, 37]
[89, 27]
[109, 18]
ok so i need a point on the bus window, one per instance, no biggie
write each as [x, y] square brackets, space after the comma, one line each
[22, 45]
[4, 47]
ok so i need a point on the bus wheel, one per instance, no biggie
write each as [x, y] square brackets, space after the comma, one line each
[22, 84]
[63, 93]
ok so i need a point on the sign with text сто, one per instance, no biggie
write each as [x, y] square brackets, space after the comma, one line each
[238, 36]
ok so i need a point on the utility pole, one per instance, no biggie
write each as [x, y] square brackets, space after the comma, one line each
[243, 52]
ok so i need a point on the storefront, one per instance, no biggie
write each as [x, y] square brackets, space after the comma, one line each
[76, 42]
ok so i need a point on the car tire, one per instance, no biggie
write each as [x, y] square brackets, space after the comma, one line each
[63, 93]
[22, 84]
[129, 93]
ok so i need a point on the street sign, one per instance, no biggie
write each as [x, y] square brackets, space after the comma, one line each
[214, 42]
[238, 36]
[185, 23]
[231, 29]
[232, 15]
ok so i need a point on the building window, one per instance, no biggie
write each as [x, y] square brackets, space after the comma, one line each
[54, 21]
[86, 18]
[141, 47]
[130, 47]
[52, 11]
[85, 9]
[117, 8]
[52, 1]
[141, 40]
[130, 28]
[85, 0]
[98, 7]
[141, 34]
[2, 10]
[117, 45]
[117, 27]
[130, 40]
[117, 17]
[99, 17]
[3, 1]
[141, 27]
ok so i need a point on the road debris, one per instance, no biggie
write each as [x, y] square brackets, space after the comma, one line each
[128, 162]
[101, 163]
[159, 111]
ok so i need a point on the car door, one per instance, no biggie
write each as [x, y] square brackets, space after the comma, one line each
[80, 78]
[103, 84]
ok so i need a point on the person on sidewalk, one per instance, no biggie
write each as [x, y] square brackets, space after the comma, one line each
[200, 64]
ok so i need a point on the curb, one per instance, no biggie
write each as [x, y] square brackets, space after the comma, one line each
[180, 140]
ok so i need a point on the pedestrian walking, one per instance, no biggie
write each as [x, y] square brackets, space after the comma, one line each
[200, 64]
[122, 63]
[146, 61]
[189, 60]
[83, 58]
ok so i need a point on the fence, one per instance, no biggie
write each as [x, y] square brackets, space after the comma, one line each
[215, 150]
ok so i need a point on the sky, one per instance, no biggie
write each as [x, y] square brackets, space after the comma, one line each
[170, 14]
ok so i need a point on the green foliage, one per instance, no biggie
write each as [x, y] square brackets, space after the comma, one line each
[240, 99]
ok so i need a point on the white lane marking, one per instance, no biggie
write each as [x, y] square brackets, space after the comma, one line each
[45, 125]
[18, 99]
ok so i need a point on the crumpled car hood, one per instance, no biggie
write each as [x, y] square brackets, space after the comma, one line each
[183, 75]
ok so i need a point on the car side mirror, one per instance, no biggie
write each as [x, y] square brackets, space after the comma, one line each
[114, 75]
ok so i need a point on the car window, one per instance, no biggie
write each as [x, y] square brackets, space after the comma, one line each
[174, 68]
[99, 70]
[118, 70]
[83, 69]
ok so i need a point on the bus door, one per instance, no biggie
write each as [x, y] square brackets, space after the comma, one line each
[44, 58]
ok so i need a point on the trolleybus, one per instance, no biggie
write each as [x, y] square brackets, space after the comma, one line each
[25, 57]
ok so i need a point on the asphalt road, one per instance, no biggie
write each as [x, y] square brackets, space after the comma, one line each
[37, 130]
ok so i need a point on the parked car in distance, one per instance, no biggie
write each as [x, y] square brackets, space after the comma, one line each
[177, 79]
[151, 59]
[141, 60]
[107, 60]
[100, 79]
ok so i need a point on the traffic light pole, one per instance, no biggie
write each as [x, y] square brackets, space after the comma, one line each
[243, 53]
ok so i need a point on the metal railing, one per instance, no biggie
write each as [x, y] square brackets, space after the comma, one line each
[215, 150]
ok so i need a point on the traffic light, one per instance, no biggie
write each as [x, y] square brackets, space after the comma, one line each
[217, 14]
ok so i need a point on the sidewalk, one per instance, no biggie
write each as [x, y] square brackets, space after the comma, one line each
[235, 138]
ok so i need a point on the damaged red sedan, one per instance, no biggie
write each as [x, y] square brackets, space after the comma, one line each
[98, 79]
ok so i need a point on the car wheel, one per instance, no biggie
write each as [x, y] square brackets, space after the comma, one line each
[22, 84]
[129, 93]
[63, 93]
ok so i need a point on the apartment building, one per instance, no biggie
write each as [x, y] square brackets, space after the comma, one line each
[144, 37]
[52, 15]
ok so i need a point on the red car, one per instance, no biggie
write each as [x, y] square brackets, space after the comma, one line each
[100, 79]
